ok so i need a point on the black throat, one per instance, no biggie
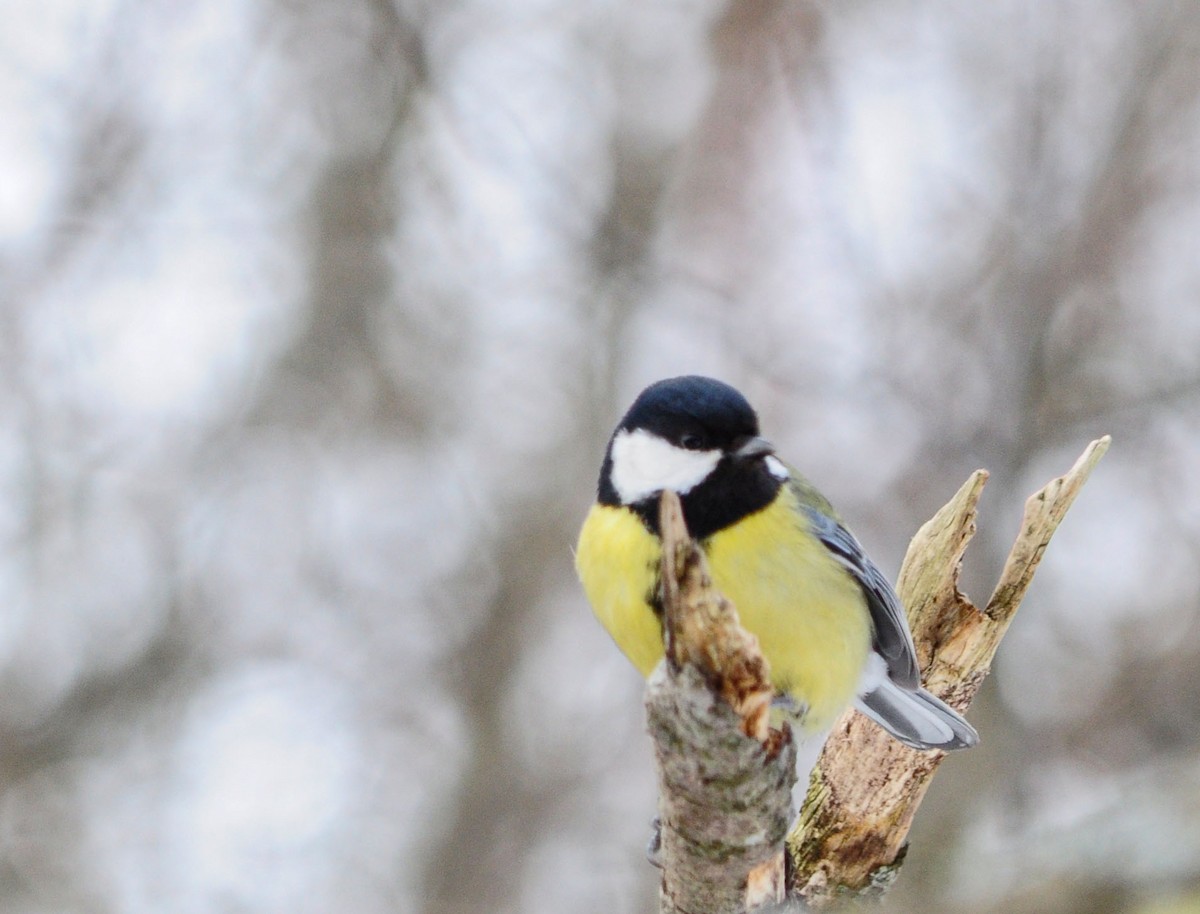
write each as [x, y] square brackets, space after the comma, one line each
[735, 489]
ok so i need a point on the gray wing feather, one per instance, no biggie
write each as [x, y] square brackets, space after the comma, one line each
[893, 641]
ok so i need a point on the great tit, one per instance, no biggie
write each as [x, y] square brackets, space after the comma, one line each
[828, 622]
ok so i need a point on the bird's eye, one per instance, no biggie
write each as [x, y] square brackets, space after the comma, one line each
[692, 442]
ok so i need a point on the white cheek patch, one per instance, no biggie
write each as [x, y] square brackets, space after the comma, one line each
[643, 464]
[776, 468]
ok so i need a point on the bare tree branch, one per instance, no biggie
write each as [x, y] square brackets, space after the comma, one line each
[725, 777]
[866, 787]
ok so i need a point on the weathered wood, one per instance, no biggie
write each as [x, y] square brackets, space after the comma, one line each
[725, 777]
[866, 787]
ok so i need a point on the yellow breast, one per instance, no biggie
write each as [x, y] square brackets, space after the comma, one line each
[809, 615]
[618, 559]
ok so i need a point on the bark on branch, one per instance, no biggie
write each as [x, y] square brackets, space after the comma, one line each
[865, 789]
[725, 777]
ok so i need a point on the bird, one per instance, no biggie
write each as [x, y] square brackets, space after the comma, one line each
[828, 622]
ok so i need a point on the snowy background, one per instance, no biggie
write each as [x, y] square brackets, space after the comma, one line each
[316, 316]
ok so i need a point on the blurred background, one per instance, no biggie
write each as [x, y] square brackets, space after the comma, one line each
[317, 315]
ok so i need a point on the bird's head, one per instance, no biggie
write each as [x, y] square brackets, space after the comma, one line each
[676, 435]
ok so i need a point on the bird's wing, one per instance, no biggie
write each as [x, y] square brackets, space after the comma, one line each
[893, 641]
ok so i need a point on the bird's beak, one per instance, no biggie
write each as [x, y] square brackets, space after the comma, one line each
[753, 447]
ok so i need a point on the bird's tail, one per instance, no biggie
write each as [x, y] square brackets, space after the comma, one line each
[916, 718]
